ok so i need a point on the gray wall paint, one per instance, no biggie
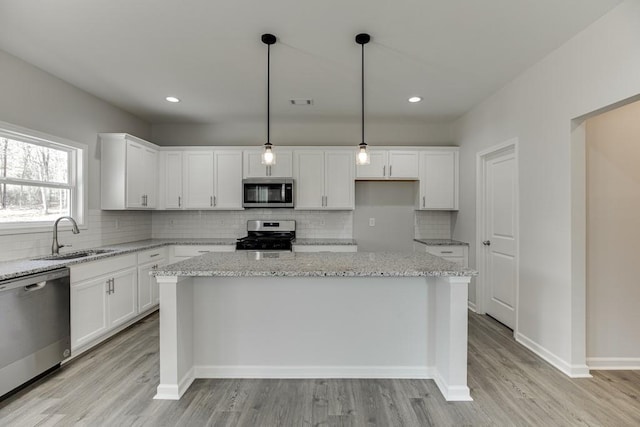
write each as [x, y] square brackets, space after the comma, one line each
[300, 132]
[391, 203]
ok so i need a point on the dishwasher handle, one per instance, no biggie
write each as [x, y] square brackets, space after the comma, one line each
[35, 286]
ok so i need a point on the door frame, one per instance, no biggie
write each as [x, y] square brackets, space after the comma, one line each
[481, 261]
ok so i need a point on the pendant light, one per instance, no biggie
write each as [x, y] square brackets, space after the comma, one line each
[363, 157]
[268, 157]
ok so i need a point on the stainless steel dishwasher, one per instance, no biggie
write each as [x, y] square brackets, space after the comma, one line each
[34, 326]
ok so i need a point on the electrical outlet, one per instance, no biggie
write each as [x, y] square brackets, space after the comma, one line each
[372, 222]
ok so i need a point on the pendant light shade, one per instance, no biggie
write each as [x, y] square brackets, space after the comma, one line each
[362, 157]
[268, 157]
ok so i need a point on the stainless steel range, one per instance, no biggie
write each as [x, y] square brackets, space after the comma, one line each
[272, 235]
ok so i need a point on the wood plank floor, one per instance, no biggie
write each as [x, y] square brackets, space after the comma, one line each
[113, 385]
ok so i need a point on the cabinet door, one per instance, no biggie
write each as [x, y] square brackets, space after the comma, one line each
[438, 180]
[88, 310]
[339, 181]
[198, 179]
[309, 180]
[253, 167]
[403, 164]
[377, 168]
[284, 164]
[135, 175]
[173, 179]
[122, 304]
[150, 177]
[228, 179]
[147, 286]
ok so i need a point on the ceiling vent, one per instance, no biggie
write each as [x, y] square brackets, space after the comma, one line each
[301, 101]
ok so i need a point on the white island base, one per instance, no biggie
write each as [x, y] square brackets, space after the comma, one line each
[313, 327]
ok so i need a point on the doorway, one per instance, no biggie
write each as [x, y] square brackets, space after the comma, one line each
[497, 232]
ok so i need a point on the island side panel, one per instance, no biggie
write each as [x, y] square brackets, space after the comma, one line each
[311, 327]
[452, 337]
[176, 336]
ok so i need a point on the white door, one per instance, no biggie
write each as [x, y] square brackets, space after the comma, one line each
[377, 168]
[309, 180]
[438, 178]
[173, 180]
[122, 300]
[228, 180]
[339, 185]
[403, 164]
[198, 179]
[499, 243]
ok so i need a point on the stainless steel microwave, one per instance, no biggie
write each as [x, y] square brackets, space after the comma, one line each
[267, 193]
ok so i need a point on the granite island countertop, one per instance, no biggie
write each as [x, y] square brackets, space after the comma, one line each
[297, 264]
[323, 242]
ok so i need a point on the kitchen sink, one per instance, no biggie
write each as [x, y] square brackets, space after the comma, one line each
[74, 255]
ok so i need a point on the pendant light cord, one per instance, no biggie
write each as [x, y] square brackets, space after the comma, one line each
[362, 88]
[268, 94]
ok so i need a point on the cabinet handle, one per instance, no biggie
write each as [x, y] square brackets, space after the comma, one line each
[446, 252]
[384, 170]
[211, 201]
[179, 201]
[153, 255]
[108, 286]
[390, 166]
[423, 202]
[326, 201]
[215, 200]
[203, 252]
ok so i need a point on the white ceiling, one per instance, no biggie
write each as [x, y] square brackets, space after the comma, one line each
[133, 53]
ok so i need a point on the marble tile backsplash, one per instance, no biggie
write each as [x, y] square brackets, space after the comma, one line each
[104, 228]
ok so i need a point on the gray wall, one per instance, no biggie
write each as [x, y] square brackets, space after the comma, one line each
[391, 203]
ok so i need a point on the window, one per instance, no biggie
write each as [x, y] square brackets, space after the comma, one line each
[40, 178]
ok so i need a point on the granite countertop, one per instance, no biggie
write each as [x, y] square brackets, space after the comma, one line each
[297, 264]
[23, 267]
[324, 242]
[441, 242]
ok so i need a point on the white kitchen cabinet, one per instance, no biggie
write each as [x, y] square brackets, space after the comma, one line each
[148, 296]
[455, 253]
[324, 180]
[253, 167]
[390, 164]
[128, 172]
[103, 297]
[171, 179]
[212, 179]
[438, 180]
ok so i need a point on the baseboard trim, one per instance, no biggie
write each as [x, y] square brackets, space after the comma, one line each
[259, 371]
[472, 306]
[613, 363]
[451, 393]
[573, 371]
[173, 391]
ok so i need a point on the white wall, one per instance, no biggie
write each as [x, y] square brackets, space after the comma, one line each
[300, 132]
[598, 67]
[34, 99]
[613, 233]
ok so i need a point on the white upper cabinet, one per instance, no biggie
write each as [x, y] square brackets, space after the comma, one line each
[390, 164]
[198, 179]
[212, 179]
[324, 179]
[128, 172]
[438, 180]
[253, 167]
[171, 179]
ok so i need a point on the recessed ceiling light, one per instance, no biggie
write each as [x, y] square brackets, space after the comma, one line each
[172, 99]
[415, 99]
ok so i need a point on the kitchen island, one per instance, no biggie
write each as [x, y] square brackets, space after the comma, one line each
[313, 315]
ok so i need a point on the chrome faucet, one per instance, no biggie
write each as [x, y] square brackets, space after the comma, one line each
[55, 247]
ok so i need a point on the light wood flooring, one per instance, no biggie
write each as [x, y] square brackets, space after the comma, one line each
[113, 385]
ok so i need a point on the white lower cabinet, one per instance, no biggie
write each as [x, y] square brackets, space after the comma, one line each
[454, 253]
[103, 297]
[148, 295]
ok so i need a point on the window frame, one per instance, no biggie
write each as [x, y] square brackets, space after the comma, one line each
[77, 177]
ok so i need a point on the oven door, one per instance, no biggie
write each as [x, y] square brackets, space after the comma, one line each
[267, 193]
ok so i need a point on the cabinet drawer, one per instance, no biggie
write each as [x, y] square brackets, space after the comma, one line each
[446, 251]
[196, 250]
[91, 269]
[152, 255]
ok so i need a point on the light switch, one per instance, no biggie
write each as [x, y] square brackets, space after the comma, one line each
[372, 222]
